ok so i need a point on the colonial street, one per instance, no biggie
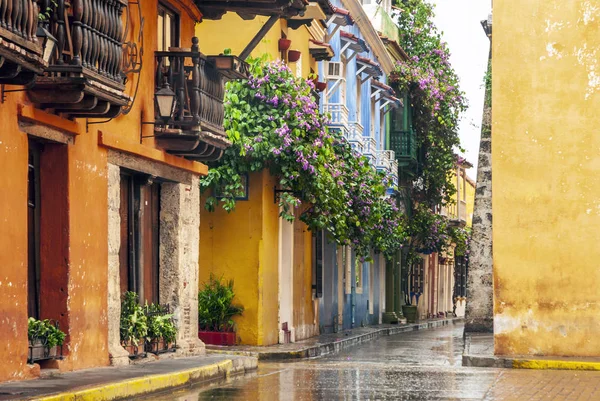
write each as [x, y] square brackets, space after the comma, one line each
[424, 365]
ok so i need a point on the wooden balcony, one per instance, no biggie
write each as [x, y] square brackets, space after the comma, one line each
[195, 128]
[404, 145]
[355, 137]
[247, 9]
[85, 77]
[21, 52]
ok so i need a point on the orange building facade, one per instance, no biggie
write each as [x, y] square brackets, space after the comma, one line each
[101, 189]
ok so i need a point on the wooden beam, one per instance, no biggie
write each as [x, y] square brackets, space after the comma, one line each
[259, 36]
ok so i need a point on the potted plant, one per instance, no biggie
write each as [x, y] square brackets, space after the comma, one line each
[284, 44]
[294, 55]
[162, 332]
[215, 310]
[45, 340]
[134, 325]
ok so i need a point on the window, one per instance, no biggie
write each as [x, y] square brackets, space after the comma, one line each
[416, 277]
[460, 276]
[138, 255]
[168, 28]
[359, 275]
[33, 230]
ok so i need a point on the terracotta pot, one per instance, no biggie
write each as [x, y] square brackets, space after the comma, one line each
[294, 55]
[321, 86]
[217, 337]
[284, 44]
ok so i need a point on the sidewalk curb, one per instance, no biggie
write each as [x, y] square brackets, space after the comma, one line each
[518, 363]
[149, 384]
[339, 345]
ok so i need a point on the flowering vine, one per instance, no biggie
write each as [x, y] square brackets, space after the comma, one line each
[436, 99]
[274, 123]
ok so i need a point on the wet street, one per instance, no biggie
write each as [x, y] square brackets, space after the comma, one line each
[424, 365]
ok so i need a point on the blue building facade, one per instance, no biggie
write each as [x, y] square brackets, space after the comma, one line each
[358, 100]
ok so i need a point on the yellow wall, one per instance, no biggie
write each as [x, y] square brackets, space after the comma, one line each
[546, 184]
[213, 41]
[244, 244]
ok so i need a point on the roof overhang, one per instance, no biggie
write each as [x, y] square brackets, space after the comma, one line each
[320, 50]
[248, 9]
[367, 67]
[353, 43]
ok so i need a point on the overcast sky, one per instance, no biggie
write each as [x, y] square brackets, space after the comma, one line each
[459, 20]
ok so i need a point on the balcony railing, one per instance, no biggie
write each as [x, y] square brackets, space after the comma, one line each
[383, 159]
[85, 77]
[370, 149]
[195, 127]
[339, 115]
[355, 136]
[404, 144]
[21, 51]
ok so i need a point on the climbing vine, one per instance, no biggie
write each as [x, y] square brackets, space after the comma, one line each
[274, 123]
[437, 102]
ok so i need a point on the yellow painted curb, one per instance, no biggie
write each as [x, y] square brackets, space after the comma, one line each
[142, 385]
[554, 364]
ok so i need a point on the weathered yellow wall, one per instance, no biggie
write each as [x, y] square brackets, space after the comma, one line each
[546, 184]
[243, 246]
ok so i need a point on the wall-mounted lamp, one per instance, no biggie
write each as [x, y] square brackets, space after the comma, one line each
[165, 101]
[49, 43]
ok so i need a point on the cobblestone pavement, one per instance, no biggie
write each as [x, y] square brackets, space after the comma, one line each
[423, 365]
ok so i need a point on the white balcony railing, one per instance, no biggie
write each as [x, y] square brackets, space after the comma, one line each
[370, 149]
[383, 159]
[339, 115]
[355, 137]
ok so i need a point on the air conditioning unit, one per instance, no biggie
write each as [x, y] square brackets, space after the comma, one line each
[335, 70]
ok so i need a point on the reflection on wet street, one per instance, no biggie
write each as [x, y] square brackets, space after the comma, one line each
[424, 365]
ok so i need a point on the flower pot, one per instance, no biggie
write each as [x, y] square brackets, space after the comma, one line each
[135, 351]
[159, 346]
[217, 337]
[40, 352]
[284, 44]
[294, 55]
[410, 313]
[321, 86]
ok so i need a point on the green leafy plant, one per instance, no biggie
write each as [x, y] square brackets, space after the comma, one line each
[44, 331]
[461, 238]
[215, 306]
[134, 322]
[160, 324]
[45, 15]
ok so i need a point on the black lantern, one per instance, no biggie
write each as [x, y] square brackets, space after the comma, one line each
[49, 43]
[165, 101]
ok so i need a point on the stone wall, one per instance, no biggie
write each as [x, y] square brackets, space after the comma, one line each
[479, 308]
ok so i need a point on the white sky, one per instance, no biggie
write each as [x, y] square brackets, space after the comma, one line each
[459, 21]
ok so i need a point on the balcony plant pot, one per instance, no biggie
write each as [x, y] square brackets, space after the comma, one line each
[284, 44]
[410, 313]
[217, 337]
[294, 55]
[39, 352]
[320, 86]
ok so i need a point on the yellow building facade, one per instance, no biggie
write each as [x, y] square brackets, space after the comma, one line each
[546, 96]
[245, 245]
